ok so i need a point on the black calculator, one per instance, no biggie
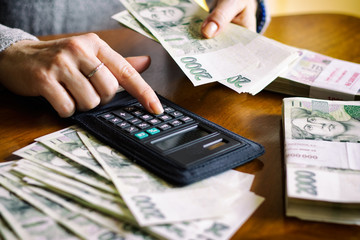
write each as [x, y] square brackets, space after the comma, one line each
[177, 145]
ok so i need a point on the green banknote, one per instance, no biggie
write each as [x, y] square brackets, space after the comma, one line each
[60, 164]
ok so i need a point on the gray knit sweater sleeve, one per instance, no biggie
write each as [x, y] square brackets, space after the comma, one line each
[48, 17]
[8, 36]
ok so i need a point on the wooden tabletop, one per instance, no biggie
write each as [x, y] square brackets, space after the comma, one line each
[254, 117]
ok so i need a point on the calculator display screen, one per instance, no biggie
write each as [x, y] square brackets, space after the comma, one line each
[180, 138]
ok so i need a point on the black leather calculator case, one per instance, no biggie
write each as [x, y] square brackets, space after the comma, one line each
[181, 164]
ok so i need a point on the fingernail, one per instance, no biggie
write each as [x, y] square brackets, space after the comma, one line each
[210, 29]
[156, 107]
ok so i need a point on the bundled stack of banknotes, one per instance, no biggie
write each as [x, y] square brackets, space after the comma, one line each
[238, 58]
[322, 157]
[68, 185]
[318, 76]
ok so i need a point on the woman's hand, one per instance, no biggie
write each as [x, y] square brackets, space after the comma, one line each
[241, 12]
[58, 70]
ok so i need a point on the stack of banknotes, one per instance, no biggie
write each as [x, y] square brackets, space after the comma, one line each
[318, 76]
[322, 149]
[68, 185]
[238, 58]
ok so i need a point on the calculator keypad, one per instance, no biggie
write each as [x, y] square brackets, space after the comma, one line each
[135, 120]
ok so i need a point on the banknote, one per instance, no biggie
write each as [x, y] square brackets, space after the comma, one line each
[323, 184]
[106, 203]
[67, 143]
[221, 228]
[228, 224]
[7, 180]
[125, 18]
[124, 229]
[111, 220]
[28, 222]
[71, 209]
[138, 187]
[76, 223]
[23, 163]
[238, 58]
[307, 68]
[322, 159]
[314, 129]
[185, 230]
[323, 194]
[6, 232]
[58, 163]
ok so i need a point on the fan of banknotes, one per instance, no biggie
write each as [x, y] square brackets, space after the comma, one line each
[322, 149]
[238, 58]
[68, 185]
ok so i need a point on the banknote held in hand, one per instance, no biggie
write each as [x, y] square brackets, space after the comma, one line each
[178, 145]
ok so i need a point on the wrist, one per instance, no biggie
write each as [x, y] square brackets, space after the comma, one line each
[10, 57]
[9, 36]
[262, 16]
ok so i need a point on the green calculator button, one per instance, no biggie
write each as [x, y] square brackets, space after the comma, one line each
[153, 131]
[141, 135]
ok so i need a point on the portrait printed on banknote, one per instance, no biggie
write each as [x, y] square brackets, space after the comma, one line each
[338, 123]
[160, 15]
[178, 22]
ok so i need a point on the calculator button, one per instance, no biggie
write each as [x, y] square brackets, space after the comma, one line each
[141, 135]
[130, 108]
[154, 121]
[168, 109]
[165, 118]
[138, 113]
[115, 120]
[186, 119]
[123, 125]
[143, 125]
[176, 114]
[138, 105]
[164, 126]
[175, 123]
[124, 115]
[135, 121]
[107, 116]
[153, 131]
[146, 117]
[131, 129]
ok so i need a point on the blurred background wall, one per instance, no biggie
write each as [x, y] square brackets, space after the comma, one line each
[286, 7]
